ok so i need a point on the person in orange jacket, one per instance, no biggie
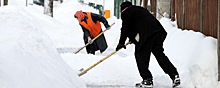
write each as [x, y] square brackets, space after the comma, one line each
[90, 23]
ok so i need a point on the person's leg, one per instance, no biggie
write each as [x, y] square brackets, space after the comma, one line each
[88, 49]
[142, 55]
[162, 59]
[91, 48]
[142, 60]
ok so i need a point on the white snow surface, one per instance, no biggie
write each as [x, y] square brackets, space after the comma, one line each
[29, 59]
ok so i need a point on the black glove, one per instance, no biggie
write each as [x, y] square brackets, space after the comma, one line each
[134, 41]
[119, 46]
[107, 26]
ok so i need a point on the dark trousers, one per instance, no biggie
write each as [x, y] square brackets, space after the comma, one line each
[91, 48]
[143, 51]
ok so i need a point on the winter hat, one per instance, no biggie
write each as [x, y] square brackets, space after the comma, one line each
[80, 15]
[125, 4]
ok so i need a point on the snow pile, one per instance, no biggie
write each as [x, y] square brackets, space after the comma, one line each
[28, 56]
[29, 59]
[194, 54]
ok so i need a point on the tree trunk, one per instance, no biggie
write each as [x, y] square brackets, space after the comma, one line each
[172, 10]
[140, 2]
[5, 2]
[48, 7]
[145, 3]
[154, 7]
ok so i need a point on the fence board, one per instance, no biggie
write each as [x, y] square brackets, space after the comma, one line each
[192, 15]
[210, 22]
[179, 13]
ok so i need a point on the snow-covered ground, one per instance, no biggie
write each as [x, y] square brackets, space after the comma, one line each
[29, 59]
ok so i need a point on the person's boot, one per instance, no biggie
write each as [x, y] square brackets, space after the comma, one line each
[176, 80]
[147, 83]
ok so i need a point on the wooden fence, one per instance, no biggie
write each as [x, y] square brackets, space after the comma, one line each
[198, 15]
[202, 16]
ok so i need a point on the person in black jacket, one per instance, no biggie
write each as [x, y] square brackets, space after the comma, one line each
[148, 35]
[90, 23]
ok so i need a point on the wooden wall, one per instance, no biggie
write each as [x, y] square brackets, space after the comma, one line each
[198, 15]
[210, 22]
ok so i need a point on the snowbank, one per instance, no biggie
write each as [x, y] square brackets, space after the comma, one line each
[28, 57]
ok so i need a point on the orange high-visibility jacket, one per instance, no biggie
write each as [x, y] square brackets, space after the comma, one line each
[94, 28]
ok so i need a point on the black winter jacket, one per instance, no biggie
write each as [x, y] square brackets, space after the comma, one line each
[138, 20]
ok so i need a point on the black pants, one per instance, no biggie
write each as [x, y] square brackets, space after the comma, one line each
[91, 48]
[143, 51]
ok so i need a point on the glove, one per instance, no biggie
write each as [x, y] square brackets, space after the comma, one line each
[119, 46]
[90, 41]
[107, 27]
[133, 41]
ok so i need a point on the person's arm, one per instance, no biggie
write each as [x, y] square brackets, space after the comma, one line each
[127, 29]
[96, 17]
[85, 31]
[123, 36]
[126, 18]
[87, 35]
[122, 40]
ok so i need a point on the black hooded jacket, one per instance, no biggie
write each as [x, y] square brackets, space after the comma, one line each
[138, 20]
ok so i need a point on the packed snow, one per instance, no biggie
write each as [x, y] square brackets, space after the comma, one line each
[29, 56]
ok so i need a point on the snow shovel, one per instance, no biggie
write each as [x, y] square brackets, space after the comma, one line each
[95, 38]
[85, 71]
